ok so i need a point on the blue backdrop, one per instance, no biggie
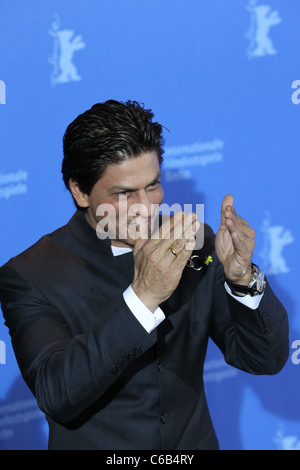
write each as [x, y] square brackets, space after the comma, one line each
[224, 78]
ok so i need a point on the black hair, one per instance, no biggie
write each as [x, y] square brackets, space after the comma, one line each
[106, 134]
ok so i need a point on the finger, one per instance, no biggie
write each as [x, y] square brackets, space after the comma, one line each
[162, 239]
[185, 233]
[172, 237]
[229, 214]
[163, 227]
[185, 227]
[240, 224]
[243, 243]
[185, 253]
[188, 234]
[183, 248]
[227, 201]
[172, 226]
[177, 227]
[141, 235]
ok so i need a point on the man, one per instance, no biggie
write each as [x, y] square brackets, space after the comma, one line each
[109, 320]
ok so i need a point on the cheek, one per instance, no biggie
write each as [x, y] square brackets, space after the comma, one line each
[104, 208]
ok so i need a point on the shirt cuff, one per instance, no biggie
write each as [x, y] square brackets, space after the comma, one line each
[248, 300]
[149, 320]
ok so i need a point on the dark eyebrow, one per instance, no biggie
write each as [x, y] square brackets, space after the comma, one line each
[122, 188]
[129, 189]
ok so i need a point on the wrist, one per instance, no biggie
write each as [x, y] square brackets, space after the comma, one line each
[243, 280]
[246, 279]
[254, 287]
[147, 299]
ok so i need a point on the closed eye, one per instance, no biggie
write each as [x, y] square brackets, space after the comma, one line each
[126, 192]
[154, 184]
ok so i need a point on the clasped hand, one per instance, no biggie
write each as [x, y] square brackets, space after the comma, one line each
[160, 260]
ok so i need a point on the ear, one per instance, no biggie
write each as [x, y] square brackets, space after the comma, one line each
[81, 199]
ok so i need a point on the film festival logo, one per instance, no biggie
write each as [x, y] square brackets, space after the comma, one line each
[263, 18]
[66, 43]
[276, 237]
[286, 441]
[2, 92]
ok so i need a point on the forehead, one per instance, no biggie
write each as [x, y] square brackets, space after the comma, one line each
[135, 172]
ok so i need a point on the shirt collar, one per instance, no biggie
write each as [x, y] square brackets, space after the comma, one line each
[120, 250]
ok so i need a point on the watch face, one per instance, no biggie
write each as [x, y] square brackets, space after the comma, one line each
[260, 282]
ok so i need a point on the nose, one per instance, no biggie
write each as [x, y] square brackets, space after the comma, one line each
[142, 205]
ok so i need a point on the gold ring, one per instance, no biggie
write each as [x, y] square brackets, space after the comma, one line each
[173, 252]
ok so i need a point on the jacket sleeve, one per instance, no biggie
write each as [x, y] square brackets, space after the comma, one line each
[256, 341]
[67, 373]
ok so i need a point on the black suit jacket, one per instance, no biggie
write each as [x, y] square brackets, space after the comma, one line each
[101, 379]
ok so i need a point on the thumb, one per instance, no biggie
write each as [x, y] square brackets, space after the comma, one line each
[227, 201]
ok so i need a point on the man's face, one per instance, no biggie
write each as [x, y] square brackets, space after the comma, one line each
[124, 198]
